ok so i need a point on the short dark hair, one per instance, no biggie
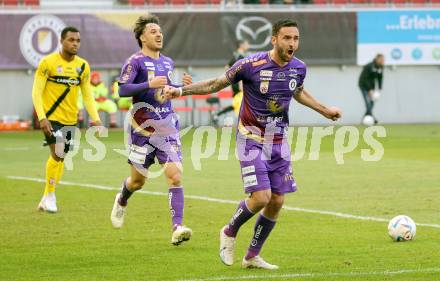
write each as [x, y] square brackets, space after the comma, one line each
[68, 29]
[141, 22]
[282, 23]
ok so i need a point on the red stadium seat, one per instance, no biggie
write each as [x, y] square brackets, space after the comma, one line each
[199, 2]
[379, 2]
[320, 2]
[225, 94]
[178, 2]
[157, 2]
[359, 1]
[435, 1]
[136, 2]
[418, 1]
[31, 2]
[10, 2]
[399, 2]
[216, 2]
[339, 2]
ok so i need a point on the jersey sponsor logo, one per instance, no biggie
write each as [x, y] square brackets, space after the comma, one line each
[264, 87]
[281, 76]
[292, 84]
[260, 62]
[256, 30]
[248, 170]
[250, 181]
[267, 73]
[66, 81]
[39, 37]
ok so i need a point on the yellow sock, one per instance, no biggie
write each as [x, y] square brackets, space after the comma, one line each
[51, 175]
[60, 171]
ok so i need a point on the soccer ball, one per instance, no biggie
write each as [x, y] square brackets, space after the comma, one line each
[375, 96]
[402, 228]
[368, 120]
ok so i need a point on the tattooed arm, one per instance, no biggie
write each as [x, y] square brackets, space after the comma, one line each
[200, 88]
[305, 98]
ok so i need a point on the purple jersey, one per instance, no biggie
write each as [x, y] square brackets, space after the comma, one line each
[139, 69]
[267, 91]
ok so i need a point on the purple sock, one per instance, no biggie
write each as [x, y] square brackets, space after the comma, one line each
[125, 194]
[263, 227]
[241, 215]
[175, 201]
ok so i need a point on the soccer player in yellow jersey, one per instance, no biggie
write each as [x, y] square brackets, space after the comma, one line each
[55, 95]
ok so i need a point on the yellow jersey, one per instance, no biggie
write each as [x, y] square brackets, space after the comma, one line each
[54, 78]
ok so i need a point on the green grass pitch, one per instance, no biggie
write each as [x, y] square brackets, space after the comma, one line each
[78, 243]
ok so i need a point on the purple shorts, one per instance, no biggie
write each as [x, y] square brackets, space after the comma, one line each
[144, 149]
[265, 166]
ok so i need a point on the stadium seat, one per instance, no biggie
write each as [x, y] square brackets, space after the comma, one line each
[31, 2]
[417, 1]
[320, 2]
[10, 2]
[157, 2]
[379, 2]
[398, 2]
[216, 2]
[339, 2]
[359, 1]
[177, 2]
[136, 2]
[199, 2]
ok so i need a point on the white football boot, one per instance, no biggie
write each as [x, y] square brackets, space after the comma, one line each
[180, 234]
[257, 262]
[227, 245]
[118, 213]
[48, 203]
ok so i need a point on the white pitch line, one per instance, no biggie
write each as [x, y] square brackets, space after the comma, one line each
[225, 201]
[329, 274]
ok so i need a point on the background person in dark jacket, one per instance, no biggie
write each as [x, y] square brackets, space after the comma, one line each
[370, 81]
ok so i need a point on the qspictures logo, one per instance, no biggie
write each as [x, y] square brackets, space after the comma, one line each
[39, 37]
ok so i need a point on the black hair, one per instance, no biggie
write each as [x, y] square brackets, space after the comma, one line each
[141, 22]
[68, 29]
[282, 23]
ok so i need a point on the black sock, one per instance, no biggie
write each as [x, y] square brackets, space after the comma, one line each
[125, 195]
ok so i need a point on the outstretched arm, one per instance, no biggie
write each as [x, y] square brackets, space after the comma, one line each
[305, 98]
[199, 88]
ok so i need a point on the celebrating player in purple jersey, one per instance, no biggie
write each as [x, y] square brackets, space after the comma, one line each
[154, 128]
[270, 80]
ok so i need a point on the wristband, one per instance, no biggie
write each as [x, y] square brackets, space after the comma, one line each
[180, 91]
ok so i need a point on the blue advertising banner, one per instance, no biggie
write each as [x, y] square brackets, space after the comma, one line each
[403, 36]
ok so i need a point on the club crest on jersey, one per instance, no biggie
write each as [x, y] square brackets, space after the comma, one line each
[160, 67]
[267, 73]
[264, 87]
[292, 84]
[59, 69]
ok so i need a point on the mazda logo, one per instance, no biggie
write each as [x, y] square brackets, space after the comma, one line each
[256, 30]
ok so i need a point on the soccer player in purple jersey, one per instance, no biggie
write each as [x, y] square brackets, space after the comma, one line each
[270, 80]
[154, 128]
